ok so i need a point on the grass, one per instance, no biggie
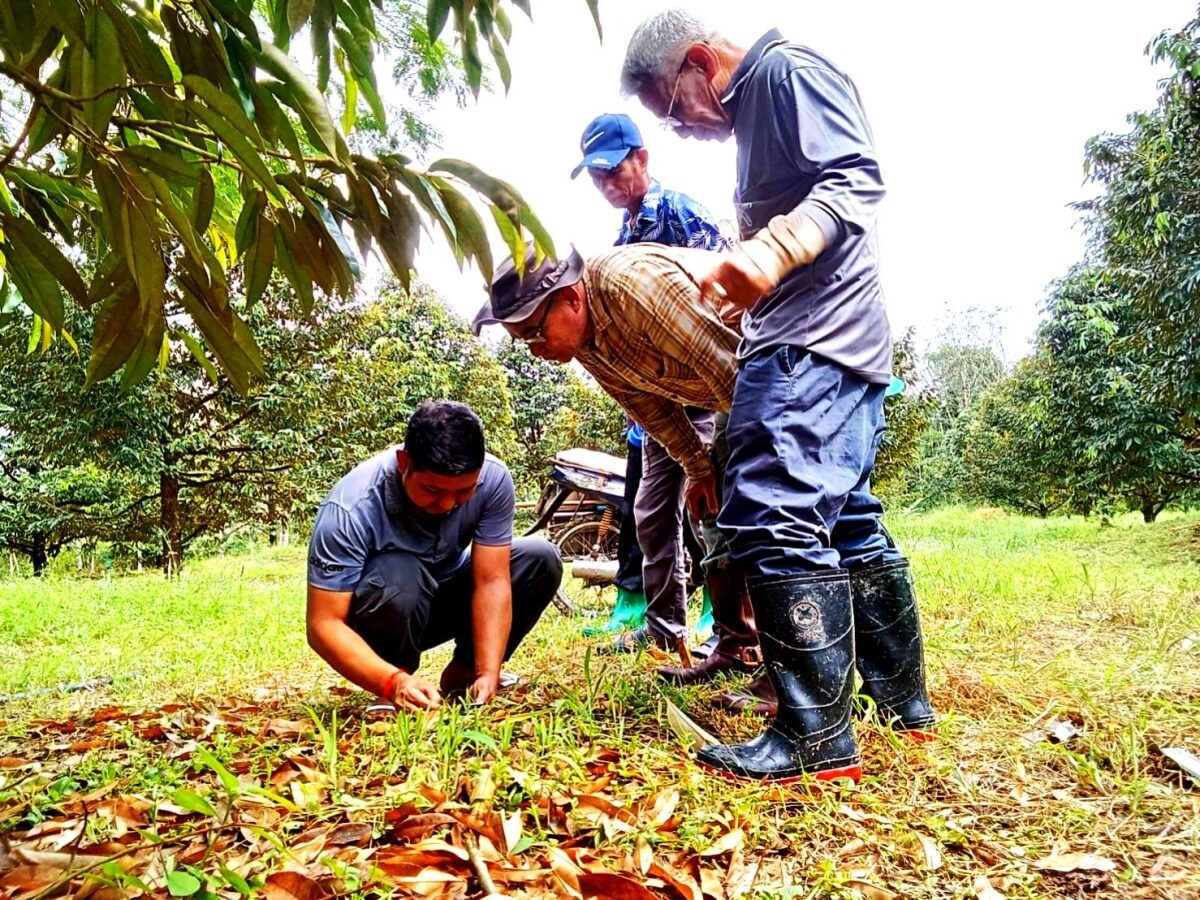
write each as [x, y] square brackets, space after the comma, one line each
[1030, 624]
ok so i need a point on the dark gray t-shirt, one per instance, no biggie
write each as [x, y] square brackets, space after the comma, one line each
[803, 140]
[367, 513]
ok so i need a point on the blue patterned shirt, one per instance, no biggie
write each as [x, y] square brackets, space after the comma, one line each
[674, 219]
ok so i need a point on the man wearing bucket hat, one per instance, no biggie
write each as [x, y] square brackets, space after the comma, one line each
[633, 318]
[616, 158]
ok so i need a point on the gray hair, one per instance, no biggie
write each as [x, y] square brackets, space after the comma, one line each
[657, 48]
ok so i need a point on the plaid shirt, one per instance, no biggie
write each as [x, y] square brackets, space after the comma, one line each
[657, 347]
[674, 219]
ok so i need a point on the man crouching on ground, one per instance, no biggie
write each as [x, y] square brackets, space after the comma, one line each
[413, 548]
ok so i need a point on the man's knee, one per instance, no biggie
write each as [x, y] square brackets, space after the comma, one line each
[537, 561]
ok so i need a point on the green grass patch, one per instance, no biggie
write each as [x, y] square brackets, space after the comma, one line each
[1032, 626]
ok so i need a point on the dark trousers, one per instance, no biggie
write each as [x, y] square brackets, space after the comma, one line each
[803, 434]
[400, 609]
[629, 552]
[662, 532]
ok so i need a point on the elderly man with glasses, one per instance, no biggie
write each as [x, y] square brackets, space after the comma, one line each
[829, 588]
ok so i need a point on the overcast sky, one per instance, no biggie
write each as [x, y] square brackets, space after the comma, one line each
[980, 113]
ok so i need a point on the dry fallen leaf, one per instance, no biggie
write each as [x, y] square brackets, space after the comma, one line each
[691, 733]
[1074, 862]
[928, 853]
[1185, 760]
[349, 833]
[512, 831]
[291, 886]
[731, 840]
[681, 882]
[871, 891]
[611, 886]
[985, 891]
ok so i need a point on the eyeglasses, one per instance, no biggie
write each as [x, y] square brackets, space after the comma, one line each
[669, 122]
[537, 335]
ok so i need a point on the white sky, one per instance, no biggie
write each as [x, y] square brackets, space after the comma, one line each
[980, 113]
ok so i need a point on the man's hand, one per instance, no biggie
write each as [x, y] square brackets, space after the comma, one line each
[700, 495]
[484, 687]
[415, 692]
[735, 280]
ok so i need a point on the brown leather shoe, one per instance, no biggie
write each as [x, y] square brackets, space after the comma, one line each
[757, 697]
[740, 662]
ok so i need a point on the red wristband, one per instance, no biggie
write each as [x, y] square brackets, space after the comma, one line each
[390, 685]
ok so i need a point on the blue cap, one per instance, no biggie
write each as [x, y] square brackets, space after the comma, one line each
[607, 141]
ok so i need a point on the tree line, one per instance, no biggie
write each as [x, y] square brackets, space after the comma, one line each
[148, 470]
[1104, 414]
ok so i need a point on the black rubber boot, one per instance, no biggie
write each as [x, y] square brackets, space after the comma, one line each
[891, 658]
[806, 631]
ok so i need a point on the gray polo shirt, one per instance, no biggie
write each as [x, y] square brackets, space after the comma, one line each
[803, 141]
[367, 513]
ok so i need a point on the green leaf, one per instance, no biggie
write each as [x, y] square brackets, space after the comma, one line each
[29, 239]
[167, 164]
[308, 101]
[472, 62]
[322, 25]
[203, 199]
[181, 883]
[223, 105]
[512, 237]
[143, 249]
[594, 6]
[115, 334]
[436, 14]
[35, 335]
[339, 240]
[505, 26]
[146, 355]
[280, 29]
[252, 210]
[6, 198]
[240, 147]
[472, 238]
[188, 237]
[190, 800]
[273, 120]
[234, 360]
[199, 355]
[235, 881]
[363, 71]
[501, 59]
[298, 13]
[39, 288]
[260, 260]
[233, 13]
[297, 278]
[103, 68]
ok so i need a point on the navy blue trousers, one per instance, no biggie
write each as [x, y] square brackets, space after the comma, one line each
[803, 433]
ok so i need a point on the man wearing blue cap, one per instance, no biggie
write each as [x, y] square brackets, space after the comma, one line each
[617, 160]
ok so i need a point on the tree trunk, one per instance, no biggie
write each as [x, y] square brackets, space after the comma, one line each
[172, 556]
[38, 555]
[1149, 511]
